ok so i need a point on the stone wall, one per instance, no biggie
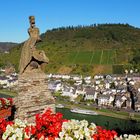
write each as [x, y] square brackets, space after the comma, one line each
[33, 97]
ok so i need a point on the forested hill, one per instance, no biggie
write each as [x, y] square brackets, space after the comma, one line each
[86, 49]
[95, 36]
[6, 46]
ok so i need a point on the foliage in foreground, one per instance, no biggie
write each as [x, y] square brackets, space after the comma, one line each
[5, 103]
[50, 126]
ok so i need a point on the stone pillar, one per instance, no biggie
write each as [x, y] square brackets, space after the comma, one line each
[33, 97]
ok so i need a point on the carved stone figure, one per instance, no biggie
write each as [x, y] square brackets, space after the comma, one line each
[33, 95]
[31, 58]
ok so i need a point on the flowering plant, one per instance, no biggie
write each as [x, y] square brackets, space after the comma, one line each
[3, 125]
[5, 103]
[15, 131]
[77, 130]
[47, 125]
[130, 137]
[104, 134]
[50, 126]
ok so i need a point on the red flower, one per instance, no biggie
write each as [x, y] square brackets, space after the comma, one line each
[3, 125]
[48, 125]
[103, 134]
[3, 101]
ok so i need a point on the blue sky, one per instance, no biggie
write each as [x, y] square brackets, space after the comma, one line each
[56, 13]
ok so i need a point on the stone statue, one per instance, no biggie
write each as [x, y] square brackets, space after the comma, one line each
[33, 94]
[31, 58]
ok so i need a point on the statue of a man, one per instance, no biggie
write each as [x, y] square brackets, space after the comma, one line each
[31, 58]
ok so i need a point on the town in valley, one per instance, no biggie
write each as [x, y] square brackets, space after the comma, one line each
[118, 92]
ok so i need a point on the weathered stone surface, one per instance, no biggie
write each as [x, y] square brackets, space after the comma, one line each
[32, 59]
[33, 97]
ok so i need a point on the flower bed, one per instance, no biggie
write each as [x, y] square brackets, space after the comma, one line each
[49, 126]
[4, 113]
[5, 107]
[5, 103]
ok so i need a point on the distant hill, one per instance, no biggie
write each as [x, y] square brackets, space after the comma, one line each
[91, 37]
[6, 46]
[97, 48]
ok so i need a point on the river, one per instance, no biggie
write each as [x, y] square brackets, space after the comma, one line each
[120, 125]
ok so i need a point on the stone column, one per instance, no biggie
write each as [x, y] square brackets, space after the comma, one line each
[33, 97]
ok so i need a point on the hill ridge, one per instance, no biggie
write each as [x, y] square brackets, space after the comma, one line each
[80, 48]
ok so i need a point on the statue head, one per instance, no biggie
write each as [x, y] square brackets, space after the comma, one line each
[32, 21]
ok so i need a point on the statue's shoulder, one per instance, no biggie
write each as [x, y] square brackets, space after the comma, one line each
[36, 29]
[33, 29]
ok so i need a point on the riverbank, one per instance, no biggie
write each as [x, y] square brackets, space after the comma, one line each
[69, 105]
[104, 112]
[122, 126]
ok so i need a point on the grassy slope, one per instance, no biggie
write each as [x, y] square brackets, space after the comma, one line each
[80, 47]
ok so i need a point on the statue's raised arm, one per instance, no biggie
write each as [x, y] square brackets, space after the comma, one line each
[32, 60]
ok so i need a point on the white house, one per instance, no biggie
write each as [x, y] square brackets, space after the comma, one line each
[87, 79]
[68, 91]
[55, 86]
[119, 101]
[107, 85]
[57, 76]
[106, 100]
[103, 100]
[78, 82]
[97, 82]
[95, 95]
[49, 76]
[89, 93]
[66, 77]
[96, 87]
[75, 78]
[12, 83]
[80, 91]
[137, 106]
[132, 82]
[3, 80]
